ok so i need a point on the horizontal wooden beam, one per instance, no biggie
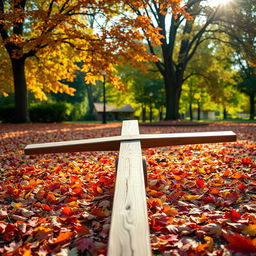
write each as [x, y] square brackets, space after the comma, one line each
[147, 141]
[129, 230]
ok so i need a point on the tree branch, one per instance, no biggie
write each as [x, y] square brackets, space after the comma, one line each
[3, 31]
[196, 39]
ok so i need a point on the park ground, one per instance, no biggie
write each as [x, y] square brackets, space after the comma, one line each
[201, 198]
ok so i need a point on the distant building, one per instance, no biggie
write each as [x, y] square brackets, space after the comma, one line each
[208, 114]
[204, 114]
[113, 113]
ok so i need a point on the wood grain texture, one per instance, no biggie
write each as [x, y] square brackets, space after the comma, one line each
[147, 141]
[129, 232]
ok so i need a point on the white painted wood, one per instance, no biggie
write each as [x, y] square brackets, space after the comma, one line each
[129, 232]
[147, 141]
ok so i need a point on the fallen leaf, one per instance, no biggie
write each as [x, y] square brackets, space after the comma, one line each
[62, 237]
[250, 230]
[239, 243]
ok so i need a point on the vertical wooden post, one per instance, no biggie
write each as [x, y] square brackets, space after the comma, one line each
[129, 232]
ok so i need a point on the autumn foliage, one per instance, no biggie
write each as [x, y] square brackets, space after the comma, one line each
[51, 37]
[201, 198]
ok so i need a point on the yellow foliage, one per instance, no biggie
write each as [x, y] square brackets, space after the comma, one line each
[59, 34]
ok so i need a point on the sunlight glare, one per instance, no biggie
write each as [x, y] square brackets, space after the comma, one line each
[214, 3]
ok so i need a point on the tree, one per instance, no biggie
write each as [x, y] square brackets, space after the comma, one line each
[181, 36]
[43, 40]
[239, 24]
[145, 91]
[248, 86]
[214, 81]
[148, 92]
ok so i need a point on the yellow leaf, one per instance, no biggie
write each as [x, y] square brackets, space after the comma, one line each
[17, 205]
[209, 241]
[202, 171]
[27, 252]
[191, 197]
[74, 204]
[250, 230]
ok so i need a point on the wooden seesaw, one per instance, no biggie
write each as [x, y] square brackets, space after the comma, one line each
[129, 231]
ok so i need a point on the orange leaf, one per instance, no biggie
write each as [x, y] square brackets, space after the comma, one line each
[51, 198]
[153, 192]
[176, 177]
[67, 211]
[99, 190]
[226, 173]
[154, 202]
[77, 191]
[170, 211]
[214, 191]
[98, 212]
[63, 237]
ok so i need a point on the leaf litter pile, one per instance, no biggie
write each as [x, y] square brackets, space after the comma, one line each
[201, 198]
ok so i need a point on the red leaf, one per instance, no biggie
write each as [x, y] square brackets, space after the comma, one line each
[46, 207]
[246, 160]
[71, 199]
[84, 244]
[233, 215]
[208, 199]
[200, 183]
[81, 230]
[241, 186]
[10, 232]
[239, 243]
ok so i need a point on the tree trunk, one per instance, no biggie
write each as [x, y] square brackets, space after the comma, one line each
[190, 111]
[20, 89]
[225, 113]
[198, 110]
[160, 113]
[172, 90]
[90, 99]
[143, 113]
[150, 113]
[252, 106]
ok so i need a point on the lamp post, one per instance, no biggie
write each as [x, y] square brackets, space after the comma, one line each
[104, 119]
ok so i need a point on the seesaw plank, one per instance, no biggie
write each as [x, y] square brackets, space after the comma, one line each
[147, 141]
[129, 231]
